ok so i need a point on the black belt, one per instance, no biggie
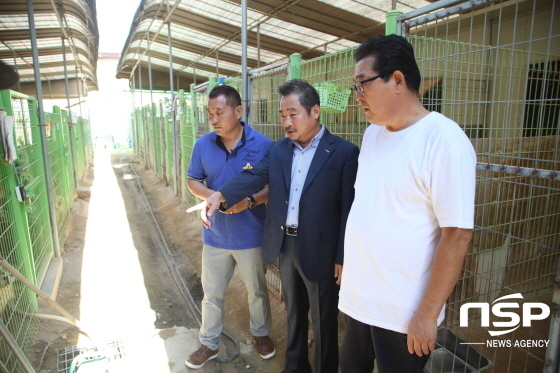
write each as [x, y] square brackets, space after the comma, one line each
[289, 231]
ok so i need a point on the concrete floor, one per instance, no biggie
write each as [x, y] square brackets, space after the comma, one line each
[114, 301]
[119, 288]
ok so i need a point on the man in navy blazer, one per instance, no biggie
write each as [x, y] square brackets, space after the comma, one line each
[310, 175]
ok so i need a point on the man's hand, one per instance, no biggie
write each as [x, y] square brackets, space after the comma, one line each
[207, 208]
[422, 332]
[238, 207]
[338, 273]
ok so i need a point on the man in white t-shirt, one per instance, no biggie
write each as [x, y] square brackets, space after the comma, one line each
[410, 224]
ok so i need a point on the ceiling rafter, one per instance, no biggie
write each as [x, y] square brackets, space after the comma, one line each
[204, 32]
[71, 21]
[237, 34]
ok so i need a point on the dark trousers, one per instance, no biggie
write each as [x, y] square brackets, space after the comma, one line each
[300, 296]
[364, 344]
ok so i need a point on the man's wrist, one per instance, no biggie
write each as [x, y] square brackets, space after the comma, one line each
[251, 202]
[430, 315]
[219, 195]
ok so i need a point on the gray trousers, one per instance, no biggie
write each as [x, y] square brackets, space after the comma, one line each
[217, 269]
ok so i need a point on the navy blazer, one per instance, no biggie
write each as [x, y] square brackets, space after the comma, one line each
[325, 202]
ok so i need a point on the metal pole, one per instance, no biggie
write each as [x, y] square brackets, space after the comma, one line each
[173, 110]
[50, 89]
[133, 89]
[142, 115]
[258, 45]
[78, 89]
[211, 83]
[152, 111]
[194, 110]
[295, 68]
[391, 24]
[134, 115]
[70, 124]
[150, 71]
[81, 127]
[244, 80]
[17, 70]
[11, 342]
[41, 114]
[140, 84]
[217, 67]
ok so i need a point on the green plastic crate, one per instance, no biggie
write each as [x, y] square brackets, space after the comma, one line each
[334, 98]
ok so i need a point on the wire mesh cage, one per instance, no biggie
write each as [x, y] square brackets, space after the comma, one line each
[493, 69]
[265, 102]
[337, 69]
[30, 172]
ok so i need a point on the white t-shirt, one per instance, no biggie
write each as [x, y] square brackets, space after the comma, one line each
[410, 184]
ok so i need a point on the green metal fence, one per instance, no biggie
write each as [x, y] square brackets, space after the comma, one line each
[154, 136]
[15, 246]
[188, 138]
[26, 240]
[264, 101]
[61, 166]
[30, 172]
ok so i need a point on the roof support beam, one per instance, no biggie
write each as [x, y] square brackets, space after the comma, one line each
[41, 115]
[173, 109]
[146, 34]
[236, 34]
[244, 80]
[15, 66]
[70, 125]
[258, 46]
[152, 116]
[165, 21]
[59, 16]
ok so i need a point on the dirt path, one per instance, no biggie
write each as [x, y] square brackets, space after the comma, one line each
[117, 281]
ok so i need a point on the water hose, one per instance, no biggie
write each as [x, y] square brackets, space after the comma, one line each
[71, 319]
[168, 257]
[11, 342]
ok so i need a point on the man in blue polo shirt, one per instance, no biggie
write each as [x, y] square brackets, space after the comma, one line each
[235, 237]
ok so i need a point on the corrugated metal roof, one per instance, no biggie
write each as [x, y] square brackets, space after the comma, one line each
[205, 34]
[78, 18]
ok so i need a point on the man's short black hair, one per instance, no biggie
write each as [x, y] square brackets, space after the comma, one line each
[8, 76]
[308, 96]
[391, 53]
[233, 98]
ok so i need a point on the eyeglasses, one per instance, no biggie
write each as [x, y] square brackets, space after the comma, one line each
[358, 87]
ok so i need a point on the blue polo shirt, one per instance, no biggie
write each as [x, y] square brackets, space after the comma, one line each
[212, 162]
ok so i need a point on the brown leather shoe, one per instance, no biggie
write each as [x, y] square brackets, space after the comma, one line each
[265, 347]
[200, 357]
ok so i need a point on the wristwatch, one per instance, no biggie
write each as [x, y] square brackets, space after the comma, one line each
[251, 203]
